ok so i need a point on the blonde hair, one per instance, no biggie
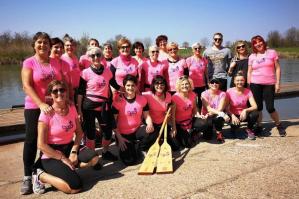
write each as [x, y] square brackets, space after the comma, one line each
[172, 44]
[237, 55]
[180, 81]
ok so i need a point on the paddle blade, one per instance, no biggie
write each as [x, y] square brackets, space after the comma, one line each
[150, 160]
[164, 162]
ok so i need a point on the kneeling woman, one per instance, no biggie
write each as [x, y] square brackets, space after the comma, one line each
[185, 113]
[60, 154]
[214, 103]
[238, 98]
[128, 110]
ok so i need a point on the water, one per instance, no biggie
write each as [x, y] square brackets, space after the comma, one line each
[11, 92]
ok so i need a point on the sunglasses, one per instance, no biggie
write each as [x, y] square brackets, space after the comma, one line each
[217, 39]
[172, 49]
[94, 55]
[160, 83]
[242, 46]
[125, 47]
[214, 82]
[198, 49]
[60, 90]
[155, 51]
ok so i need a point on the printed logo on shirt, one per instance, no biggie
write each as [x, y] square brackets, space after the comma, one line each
[47, 76]
[259, 61]
[102, 84]
[128, 70]
[174, 69]
[154, 73]
[67, 127]
[188, 106]
[132, 112]
[241, 102]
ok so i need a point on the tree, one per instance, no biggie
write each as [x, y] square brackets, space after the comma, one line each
[274, 39]
[290, 37]
[147, 41]
[204, 42]
[185, 44]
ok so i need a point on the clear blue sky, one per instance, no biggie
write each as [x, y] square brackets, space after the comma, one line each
[182, 20]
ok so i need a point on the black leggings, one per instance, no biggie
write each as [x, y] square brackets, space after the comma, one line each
[263, 92]
[251, 120]
[58, 169]
[89, 126]
[30, 144]
[129, 155]
[198, 91]
[213, 121]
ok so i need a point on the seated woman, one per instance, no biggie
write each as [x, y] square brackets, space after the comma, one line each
[214, 101]
[238, 98]
[158, 100]
[185, 112]
[60, 154]
[128, 110]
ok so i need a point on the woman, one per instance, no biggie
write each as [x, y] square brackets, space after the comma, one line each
[138, 49]
[158, 100]
[107, 53]
[84, 59]
[238, 98]
[60, 154]
[93, 94]
[176, 66]
[37, 72]
[128, 111]
[239, 61]
[161, 42]
[152, 67]
[70, 57]
[124, 64]
[264, 80]
[197, 67]
[214, 102]
[185, 113]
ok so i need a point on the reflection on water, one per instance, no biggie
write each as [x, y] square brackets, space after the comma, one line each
[11, 92]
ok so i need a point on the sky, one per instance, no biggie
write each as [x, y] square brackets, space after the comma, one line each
[182, 20]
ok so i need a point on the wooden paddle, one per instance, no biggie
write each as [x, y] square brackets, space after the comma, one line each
[150, 160]
[164, 163]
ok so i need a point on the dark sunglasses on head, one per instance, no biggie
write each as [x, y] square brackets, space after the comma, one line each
[155, 51]
[242, 46]
[217, 39]
[60, 90]
[125, 47]
[94, 55]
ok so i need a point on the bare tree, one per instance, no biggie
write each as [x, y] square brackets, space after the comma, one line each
[185, 44]
[274, 39]
[147, 41]
[290, 36]
[205, 42]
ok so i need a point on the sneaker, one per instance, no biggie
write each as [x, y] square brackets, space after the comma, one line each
[258, 131]
[220, 138]
[109, 156]
[38, 186]
[26, 187]
[282, 132]
[250, 134]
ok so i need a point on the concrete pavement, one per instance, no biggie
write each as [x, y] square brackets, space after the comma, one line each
[265, 168]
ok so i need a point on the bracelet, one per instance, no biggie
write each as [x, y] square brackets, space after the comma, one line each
[75, 152]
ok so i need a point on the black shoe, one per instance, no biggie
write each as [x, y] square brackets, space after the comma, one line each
[282, 132]
[258, 130]
[109, 156]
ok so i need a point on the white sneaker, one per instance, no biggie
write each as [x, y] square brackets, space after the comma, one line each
[38, 186]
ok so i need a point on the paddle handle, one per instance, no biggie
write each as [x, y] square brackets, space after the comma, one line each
[163, 124]
[165, 134]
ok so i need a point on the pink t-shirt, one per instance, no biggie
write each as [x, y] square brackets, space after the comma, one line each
[197, 68]
[163, 55]
[74, 69]
[124, 67]
[61, 129]
[184, 107]
[97, 84]
[174, 72]
[157, 108]
[41, 77]
[151, 70]
[213, 101]
[237, 103]
[129, 114]
[84, 61]
[263, 67]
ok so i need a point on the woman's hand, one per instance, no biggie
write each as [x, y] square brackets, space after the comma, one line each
[80, 116]
[277, 88]
[149, 128]
[173, 132]
[122, 142]
[74, 158]
[235, 120]
[45, 108]
[67, 162]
